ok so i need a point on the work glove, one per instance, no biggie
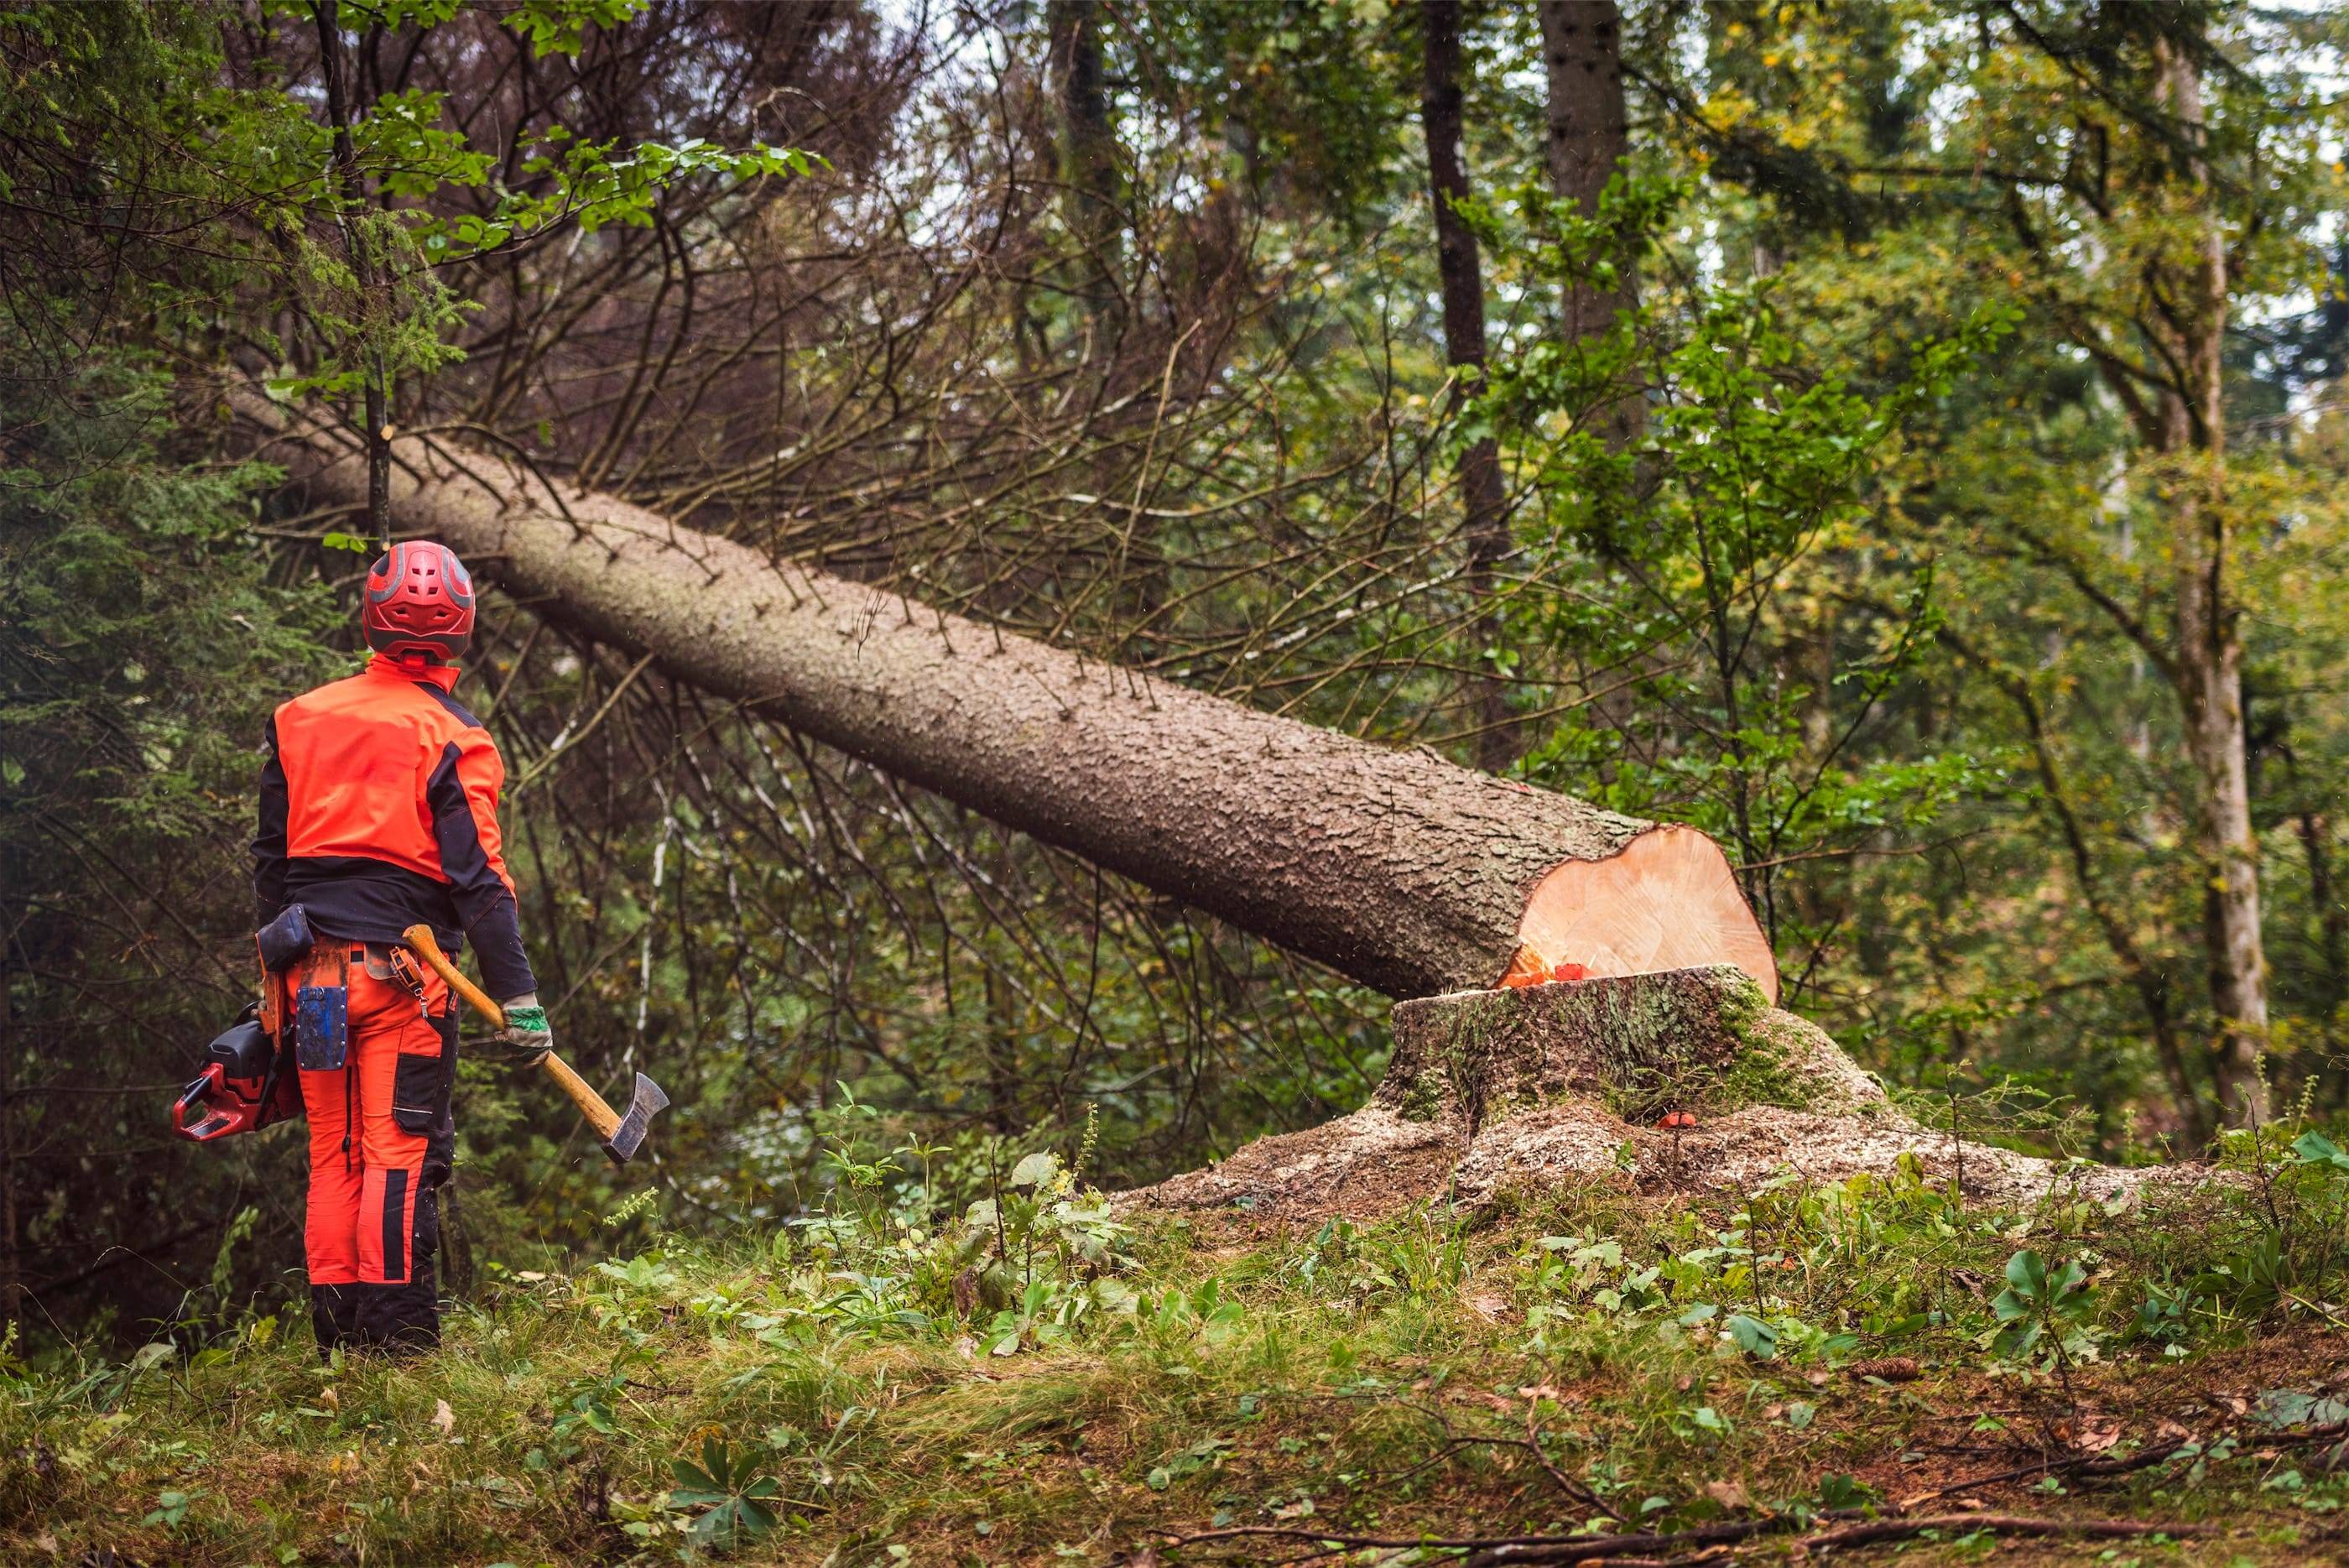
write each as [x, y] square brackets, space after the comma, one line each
[527, 1038]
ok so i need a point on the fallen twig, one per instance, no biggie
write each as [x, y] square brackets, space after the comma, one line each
[1849, 1527]
[2099, 1466]
[1566, 1483]
[1882, 1530]
[1494, 1550]
[1867, 1532]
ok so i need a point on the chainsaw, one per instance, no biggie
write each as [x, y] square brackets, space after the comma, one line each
[248, 1081]
[246, 1084]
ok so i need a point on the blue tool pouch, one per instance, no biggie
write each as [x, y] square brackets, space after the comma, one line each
[322, 1025]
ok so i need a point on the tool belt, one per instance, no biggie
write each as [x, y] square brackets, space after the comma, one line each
[321, 982]
[251, 1071]
[284, 940]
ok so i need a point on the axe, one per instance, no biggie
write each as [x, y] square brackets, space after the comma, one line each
[622, 1135]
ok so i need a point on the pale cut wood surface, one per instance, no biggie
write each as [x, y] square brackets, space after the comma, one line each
[1668, 900]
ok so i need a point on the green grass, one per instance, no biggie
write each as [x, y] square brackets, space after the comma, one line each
[1104, 1392]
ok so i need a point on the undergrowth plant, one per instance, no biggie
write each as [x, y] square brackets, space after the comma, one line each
[844, 1377]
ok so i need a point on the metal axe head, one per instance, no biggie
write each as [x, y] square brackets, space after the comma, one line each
[629, 1135]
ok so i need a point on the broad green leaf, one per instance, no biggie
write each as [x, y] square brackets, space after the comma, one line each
[1753, 1336]
[2315, 1149]
[1036, 1170]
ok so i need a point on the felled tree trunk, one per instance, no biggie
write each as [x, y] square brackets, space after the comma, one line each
[1394, 867]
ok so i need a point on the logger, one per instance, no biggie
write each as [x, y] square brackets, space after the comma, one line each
[378, 813]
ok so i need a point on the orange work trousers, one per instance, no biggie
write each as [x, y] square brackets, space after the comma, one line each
[381, 1141]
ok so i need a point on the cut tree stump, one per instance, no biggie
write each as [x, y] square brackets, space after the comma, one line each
[1532, 1089]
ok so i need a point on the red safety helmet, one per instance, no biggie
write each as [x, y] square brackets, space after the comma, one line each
[419, 604]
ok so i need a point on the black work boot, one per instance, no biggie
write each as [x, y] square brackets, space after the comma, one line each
[334, 1316]
[404, 1318]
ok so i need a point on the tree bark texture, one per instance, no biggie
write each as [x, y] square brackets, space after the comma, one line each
[1588, 130]
[1089, 163]
[1588, 135]
[2331, 918]
[1397, 869]
[1458, 265]
[2210, 638]
[334, 70]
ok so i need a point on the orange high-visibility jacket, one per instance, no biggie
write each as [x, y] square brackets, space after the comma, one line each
[380, 810]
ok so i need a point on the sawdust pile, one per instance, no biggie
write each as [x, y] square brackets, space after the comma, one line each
[1492, 1092]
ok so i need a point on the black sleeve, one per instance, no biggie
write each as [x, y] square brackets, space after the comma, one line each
[484, 902]
[269, 837]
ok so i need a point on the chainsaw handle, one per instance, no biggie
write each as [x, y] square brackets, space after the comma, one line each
[421, 938]
[599, 1115]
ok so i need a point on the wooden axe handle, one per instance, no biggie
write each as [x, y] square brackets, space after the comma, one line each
[427, 948]
[600, 1115]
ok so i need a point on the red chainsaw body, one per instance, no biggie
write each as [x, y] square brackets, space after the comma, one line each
[246, 1085]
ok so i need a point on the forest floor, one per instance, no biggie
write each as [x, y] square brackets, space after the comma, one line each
[1854, 1372]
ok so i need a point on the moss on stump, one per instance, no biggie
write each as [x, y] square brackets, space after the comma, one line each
[1638, 1043]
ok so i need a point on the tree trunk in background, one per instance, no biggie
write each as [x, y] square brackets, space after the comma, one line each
[1002, 1054]
[2210, 638]
[12, 1256]
[1440, 97]
[2331, 918]
[1588, 137]
[1088, 165]
[1394, 869]
[333, 68]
